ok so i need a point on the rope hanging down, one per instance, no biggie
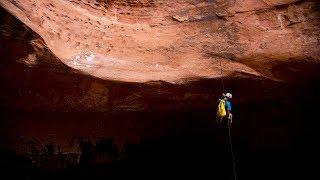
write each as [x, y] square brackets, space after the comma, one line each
[231, 149]
[229, 131]
[221, 74]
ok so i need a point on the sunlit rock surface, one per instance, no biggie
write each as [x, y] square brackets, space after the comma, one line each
[138, 71]
[173, 41]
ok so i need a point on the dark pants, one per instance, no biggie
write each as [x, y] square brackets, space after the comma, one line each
[222, 120]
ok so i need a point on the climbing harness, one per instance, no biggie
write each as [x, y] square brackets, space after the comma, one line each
[229, 125]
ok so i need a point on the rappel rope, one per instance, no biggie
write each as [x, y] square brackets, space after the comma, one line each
[229, 131]
[231, 149]
[222, 84]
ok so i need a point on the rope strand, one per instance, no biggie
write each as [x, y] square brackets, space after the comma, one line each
[229, 131]
[221, 74]
[231, 148]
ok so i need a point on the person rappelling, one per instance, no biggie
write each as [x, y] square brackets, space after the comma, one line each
[224, 112]
[224, 108]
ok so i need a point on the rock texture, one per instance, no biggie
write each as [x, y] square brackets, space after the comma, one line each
[62, 74]
[38, 90]
[173, 41]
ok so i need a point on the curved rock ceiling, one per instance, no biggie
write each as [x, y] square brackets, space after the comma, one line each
[267, 52]
[174, 41]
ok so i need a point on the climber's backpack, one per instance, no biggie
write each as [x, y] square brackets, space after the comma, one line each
[221, 108]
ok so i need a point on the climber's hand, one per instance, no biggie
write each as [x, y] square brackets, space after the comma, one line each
[230, 117]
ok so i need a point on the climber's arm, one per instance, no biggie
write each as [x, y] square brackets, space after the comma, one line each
[228, 108]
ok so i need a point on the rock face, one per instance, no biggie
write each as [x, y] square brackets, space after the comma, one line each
[173, 41]
[140, 70]
[265, 51]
